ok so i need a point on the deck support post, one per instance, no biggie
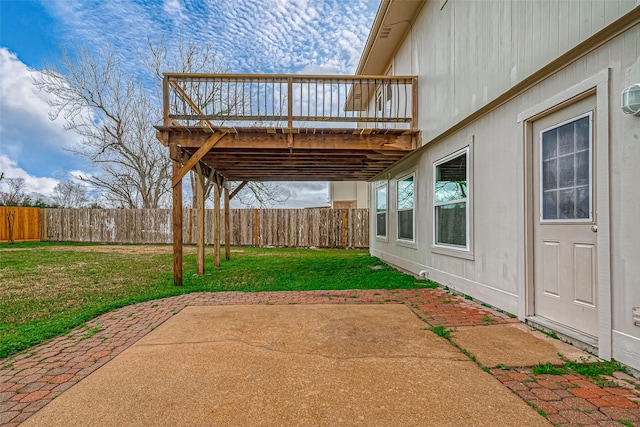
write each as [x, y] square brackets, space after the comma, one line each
[200, 221]
[174, 153]
[216, 223]
[227, 229]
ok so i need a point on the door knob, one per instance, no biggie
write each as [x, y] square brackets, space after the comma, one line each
[594, 228]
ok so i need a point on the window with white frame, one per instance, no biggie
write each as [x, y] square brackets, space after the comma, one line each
[381, 211]
[451, 197]
[406, 201]
[565, 174]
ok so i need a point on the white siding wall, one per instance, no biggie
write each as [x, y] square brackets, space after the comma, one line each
[349, 191]
[495, 45]
[470, 52]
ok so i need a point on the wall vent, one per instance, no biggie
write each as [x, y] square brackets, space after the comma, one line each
[384, 32]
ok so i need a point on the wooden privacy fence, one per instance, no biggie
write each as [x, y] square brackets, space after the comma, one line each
[20, 224]
[324, 228]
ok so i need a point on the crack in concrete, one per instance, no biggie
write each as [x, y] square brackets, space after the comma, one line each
[454, 355]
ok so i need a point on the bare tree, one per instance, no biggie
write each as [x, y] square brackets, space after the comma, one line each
[262, 194]
[69, 194]
[38, 200]
[252, 195]
[15, 195]
[201, 58]
[114, 116]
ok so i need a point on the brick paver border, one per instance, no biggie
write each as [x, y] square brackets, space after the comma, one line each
[571, 400]
[30, 380]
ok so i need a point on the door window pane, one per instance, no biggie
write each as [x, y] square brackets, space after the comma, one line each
[566, 175]
[550, 174]
[566, 204]
[582, 168]
[582, 134]
[550, 203]
[565, 162]
[582, 204]
[565, 139]
[549, 145]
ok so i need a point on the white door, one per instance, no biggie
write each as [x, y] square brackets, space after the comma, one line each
[565, 259]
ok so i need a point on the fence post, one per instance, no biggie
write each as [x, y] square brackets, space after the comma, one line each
[190, 241]
[227, 231]
[256, 227]
[43, 224]
[344, 228]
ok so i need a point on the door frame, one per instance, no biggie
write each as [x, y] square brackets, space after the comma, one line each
[597, 84]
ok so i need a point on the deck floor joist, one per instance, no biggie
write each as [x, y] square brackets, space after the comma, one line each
[298, 154]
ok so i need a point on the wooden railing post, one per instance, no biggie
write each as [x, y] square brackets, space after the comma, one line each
[165, 101]
[290, 102]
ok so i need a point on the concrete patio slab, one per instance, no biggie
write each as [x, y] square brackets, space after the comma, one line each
[289, 365]
[515, 345]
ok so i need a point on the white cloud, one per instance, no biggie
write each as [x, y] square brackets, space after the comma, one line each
[18, 93]
[278, 36]
[31, 145]
[307, 194]
[174, 8]
[33, 184]
[318, 69]
[267, 36]
[25, 128]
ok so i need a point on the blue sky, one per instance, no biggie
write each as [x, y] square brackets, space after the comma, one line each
[251, 36]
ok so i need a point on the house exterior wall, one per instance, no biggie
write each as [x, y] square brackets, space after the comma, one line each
[356, 193]
[468, 54]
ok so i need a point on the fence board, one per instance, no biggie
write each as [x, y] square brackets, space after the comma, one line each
[25, 222]
[274, 227]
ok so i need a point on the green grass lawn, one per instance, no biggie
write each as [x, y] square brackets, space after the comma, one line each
[46, 289]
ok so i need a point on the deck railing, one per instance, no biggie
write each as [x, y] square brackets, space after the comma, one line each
[289, 100]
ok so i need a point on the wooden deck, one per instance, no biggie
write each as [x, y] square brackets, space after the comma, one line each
[233, 127]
